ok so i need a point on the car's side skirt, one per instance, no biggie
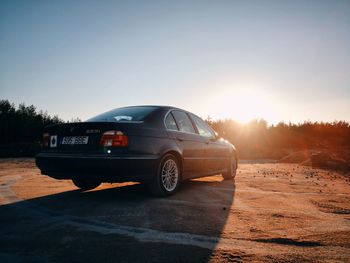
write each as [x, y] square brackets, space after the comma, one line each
[193, 176]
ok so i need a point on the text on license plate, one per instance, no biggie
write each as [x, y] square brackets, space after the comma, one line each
[75, 140]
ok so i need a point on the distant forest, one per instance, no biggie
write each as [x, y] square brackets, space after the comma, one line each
[257, 139]
[21, 130]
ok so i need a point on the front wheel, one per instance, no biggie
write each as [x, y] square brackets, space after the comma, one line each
[85, 184]
[167, 178]
[231, 169]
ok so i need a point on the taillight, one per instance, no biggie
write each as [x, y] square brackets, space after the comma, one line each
[114, 138]
[46, 139]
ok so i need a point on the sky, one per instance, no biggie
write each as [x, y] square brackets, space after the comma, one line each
[278, 60]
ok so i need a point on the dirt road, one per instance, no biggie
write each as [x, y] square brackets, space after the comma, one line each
[274, 213]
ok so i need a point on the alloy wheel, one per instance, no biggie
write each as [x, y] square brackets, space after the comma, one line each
[170, 175]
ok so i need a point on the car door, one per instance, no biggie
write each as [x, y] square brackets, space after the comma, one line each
[216, 153]
[181, 128]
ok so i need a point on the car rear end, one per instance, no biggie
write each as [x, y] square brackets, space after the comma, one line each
[108, 151]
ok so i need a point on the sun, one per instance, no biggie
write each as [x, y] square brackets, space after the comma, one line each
[244, 105]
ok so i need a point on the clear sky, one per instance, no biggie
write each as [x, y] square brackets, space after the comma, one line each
[280, 60]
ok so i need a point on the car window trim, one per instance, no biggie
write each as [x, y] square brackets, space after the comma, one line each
[194, 128]
[210, 129]
[166, 116]
[193, 123]
[178, 130]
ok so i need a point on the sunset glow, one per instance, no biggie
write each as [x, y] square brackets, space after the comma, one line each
[244, 105]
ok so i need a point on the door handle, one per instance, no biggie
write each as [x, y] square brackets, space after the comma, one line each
[179, 139]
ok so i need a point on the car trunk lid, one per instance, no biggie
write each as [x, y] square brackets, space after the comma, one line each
[77, 137]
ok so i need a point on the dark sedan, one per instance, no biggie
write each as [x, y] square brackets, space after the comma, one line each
[157, 145]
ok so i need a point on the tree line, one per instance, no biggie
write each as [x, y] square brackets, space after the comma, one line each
[21, 128]
[23, 123]
[21, 131]
[257, 139]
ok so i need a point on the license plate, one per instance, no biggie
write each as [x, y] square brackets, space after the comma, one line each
[75, 140]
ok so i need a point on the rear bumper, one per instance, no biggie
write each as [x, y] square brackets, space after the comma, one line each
[106, 168]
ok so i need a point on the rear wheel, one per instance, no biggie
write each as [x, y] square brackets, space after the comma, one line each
[231, 169]
[86, 184]
[167, 178]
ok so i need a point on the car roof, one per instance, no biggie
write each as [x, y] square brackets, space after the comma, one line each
[157, 106]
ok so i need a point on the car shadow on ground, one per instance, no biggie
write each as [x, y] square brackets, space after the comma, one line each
[118, 224]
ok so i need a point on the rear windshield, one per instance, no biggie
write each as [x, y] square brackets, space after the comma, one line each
[125, 114]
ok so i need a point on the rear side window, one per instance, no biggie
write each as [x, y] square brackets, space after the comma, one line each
[170, 123]
[202, 127]
[138, 113]
[184, 123]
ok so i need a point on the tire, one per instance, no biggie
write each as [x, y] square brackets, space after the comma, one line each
[85, 184]
[231, 170]
[168, 177]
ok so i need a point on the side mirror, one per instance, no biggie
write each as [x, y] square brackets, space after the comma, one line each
[215, 137]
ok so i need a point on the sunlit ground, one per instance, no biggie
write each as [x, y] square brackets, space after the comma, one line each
[274, 213]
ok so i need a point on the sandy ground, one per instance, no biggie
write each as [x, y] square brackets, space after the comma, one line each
[274, 213]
